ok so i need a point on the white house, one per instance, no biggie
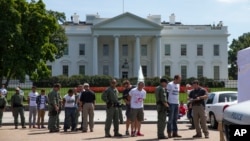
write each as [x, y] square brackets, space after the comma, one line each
[118, 46]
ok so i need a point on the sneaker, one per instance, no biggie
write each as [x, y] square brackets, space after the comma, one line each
[139, 134]
[127, 133]
[197, 136]
[133, 134]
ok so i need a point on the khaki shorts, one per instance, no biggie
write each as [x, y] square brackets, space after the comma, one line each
[137, 114]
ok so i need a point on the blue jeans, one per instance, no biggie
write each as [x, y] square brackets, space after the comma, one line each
[173, 116]
[70, 114]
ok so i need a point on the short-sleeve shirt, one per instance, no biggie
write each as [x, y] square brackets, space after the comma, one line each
[42, 104]
[137, 98]
[87, 97]
[173, 92]
[196, 93]
[4, 92]
[70, 101]
[32, 97]
[125, 93]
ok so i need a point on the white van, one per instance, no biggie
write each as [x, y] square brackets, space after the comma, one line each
[237, 114]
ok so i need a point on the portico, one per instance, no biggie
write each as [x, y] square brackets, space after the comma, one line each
[123, 37]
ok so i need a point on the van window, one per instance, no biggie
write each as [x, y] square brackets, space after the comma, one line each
[227, 97]
[210, 98]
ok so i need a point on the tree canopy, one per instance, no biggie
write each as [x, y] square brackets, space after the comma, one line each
[241, 43]
[30, 36]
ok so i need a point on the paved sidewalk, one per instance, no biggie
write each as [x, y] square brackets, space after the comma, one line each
[150, 116]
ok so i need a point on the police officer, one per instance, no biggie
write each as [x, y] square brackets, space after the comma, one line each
[162, 106]
[3, 103]
[110, 96]
[17, 108]
[53, 100]
[198, 96]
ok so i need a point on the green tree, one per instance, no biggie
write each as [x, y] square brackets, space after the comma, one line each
[242, 42]
[30, 36]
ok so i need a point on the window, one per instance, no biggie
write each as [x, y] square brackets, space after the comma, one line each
[216, 50]
[66, 51]
[199, 71]
[65, 70]
[82, 69]
[199, 50]
[167, 50]
[105, 50]
[167, 71]
[105, 70]
[184, 72]
[124, 50]
[183, 50]
[210, 98]
[124, 74]
[50, 69]
[144, 71]
[227, 97]
[81, 49]
[144, 50]
[217, 72]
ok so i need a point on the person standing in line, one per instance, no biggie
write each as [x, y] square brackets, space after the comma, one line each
[173, 89]
[76, 93]
[60, 105]
[69, 102]
[87, 102]
[32, 107]
[4, 91]
[80, 90]
[126, 98]
[41, 102]
[198, 96]
[17, 108]
[137, 95]
[3, 104]
[53, 101]
[110, 97]
[162, 107]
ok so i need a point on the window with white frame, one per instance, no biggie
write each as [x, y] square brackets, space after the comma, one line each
[81, 49]
[216, 50]
[66, 51]
[199, 71]
[167, 50]
[199, 50]
[184, 71]
[125, 50]
[168, 71]
[105, 50]
[216, 72]
[183, 50]
[82, 69]
[105, 70]
[144, 50]
[65, 70]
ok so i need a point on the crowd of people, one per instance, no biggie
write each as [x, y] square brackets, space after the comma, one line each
[81, 99]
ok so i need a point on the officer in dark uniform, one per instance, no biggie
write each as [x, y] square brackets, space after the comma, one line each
[3, 103]
[110, 97]
[162, 106]
[17, 108]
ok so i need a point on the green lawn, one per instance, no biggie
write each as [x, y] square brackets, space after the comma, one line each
[150, 98]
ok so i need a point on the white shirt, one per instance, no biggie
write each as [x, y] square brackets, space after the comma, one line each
[70, 101]
[4, 92]
[32, 97]
[137, 98]
[173, 92]
[42, 104]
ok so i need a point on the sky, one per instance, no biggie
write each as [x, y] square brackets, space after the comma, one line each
[233, 13]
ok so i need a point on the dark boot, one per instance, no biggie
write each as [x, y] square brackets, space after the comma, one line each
[169, 135]
[175, 134]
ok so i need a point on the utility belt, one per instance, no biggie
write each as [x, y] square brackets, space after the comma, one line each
[114, 105]
[15, 105]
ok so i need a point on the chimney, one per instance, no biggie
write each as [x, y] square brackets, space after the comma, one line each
[75, 19]
[172, 19]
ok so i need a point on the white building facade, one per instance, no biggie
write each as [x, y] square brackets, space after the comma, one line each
[119, 46]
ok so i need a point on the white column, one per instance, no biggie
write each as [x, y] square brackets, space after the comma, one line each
[154, 58]
[116, 57]
[95, 55]
[158, 46]
[137, 55]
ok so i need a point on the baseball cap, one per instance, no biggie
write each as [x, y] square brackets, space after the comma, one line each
[86, 84]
